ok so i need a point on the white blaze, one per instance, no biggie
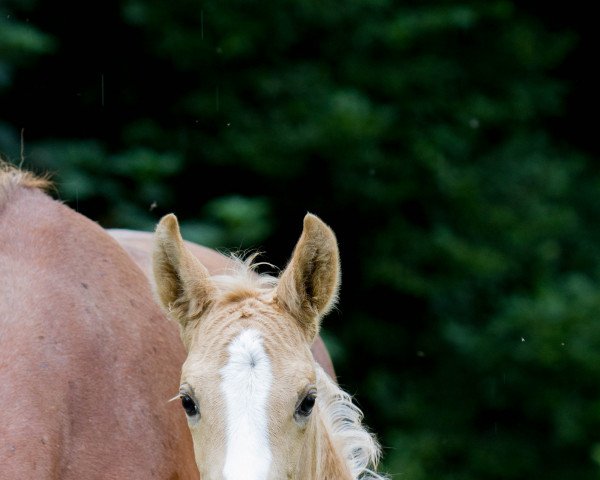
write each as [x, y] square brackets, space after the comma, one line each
[246, 384]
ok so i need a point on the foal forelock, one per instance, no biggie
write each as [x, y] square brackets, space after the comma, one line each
[241, 276]
[246, 384]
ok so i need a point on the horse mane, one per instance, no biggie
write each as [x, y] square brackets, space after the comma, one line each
[12, 177]
[343, 419]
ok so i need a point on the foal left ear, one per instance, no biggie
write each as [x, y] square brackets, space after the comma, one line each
[309, 285]
[183, 284]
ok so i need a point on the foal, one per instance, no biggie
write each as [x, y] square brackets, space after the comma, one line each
[257, 404]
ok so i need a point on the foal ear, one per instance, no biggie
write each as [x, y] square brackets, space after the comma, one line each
[309, 284]
[183, 284]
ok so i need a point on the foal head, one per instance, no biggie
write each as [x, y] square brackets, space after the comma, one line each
[249, 383]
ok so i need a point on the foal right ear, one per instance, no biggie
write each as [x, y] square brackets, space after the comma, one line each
[309, 284]
[183, 284]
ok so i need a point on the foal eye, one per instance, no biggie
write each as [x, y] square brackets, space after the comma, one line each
[306, 405]
[189, 405]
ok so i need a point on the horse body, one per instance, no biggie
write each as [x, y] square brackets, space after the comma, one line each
[87, 361]
[258, 406]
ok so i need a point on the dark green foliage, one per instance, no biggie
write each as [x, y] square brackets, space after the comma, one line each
[426, 133]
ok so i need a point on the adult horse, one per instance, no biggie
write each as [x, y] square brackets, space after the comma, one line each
[258, 406]
[87, 359]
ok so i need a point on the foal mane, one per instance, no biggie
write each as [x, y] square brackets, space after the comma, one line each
[12, 177]
[342, 417]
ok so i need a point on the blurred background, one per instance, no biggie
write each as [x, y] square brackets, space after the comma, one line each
[452, 146]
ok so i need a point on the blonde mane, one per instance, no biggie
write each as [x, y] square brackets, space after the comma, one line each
[343, 420]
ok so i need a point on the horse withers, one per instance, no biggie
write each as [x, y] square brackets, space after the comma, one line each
[87, 359]
[258, 406]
